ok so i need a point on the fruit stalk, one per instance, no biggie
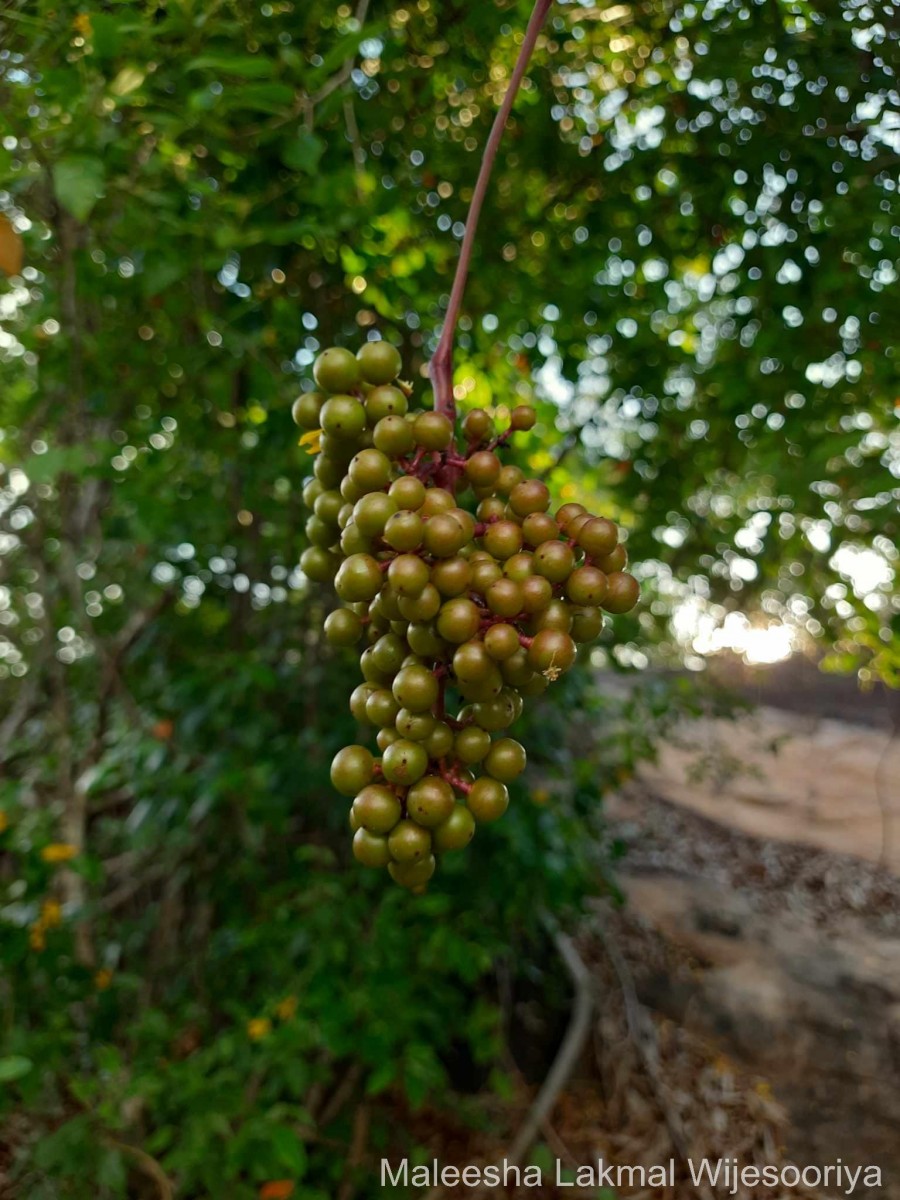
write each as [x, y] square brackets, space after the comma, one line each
[440, 369]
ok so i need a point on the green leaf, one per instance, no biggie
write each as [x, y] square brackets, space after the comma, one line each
[303, 153]
[78, 181]
[14, 1067]
[247, 66]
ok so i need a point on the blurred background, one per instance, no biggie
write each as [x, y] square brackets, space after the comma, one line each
[688, 263]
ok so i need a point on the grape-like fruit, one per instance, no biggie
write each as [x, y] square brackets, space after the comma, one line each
[452, 606]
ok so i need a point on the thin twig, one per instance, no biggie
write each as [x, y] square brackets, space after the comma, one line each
[148, 1165]
[440, 369]
[568, 1055]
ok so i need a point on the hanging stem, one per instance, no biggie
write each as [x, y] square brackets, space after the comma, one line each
[441, 366]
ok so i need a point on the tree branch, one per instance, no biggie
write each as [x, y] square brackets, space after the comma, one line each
[440, 368]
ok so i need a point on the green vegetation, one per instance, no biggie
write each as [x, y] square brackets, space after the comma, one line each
[684, 266]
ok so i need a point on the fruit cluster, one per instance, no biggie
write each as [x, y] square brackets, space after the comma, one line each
[464, 612]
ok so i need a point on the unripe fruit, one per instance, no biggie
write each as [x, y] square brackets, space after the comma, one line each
[484, 573]
[416, 726]
[508, 478]
[554, 560]
[359, 578]
[328, 506]
[567, 513]
[430, 801]
[423, 607]
[495, 715]
[343, 417]
[372, 512]
[483, 468]
[358, 699]
[472, 663]
[539, 527]
[471, 744]
[504, 598]
[408, 575]
[415, 688]
[393, 436]
[501, 641]
[444, 536]
[587, 624]
[623, 592]
[551, 652]
[404, 762]
[506, 760]
[385, 738]
[343, 627]
[451, 576]
[305, 409]
[458, 620]
[382, 708]
[408, 842]
[408, 492]
[432, 431]
[586, 586]
[384, 402]
[404, 530]
[439, 742]
[597, 537]
[352, 769]
[424, 640]
[436, 500]
[522, 418]
[529, 496]
[379, 362]
[370, 849]
[557, 615]
[376, 808]
[336, 370]
[370, 470]
[354, 541]
[488, 800]
[519, 567]
[412, 875]
[318, 565]
[456, 832]
[616, 560]
[490, 509]
[503, 539]
[537, 593]
[477, 425]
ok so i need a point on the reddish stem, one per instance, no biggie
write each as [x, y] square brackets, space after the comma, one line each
[440, 368]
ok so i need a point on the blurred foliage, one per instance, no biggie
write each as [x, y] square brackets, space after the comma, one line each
[686, 260]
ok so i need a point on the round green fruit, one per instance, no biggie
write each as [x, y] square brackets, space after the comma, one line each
[352, 769]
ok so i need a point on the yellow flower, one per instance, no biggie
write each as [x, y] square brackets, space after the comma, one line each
[36, 937]
[287, 1007]
[258, 1028]
[82, 24]
[51, 914]
[4, 821]
[103, 979]
[58, 852]
[312, 441]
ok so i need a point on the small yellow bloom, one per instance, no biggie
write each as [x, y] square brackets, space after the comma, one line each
[51, 914]
[312, 441]
[58, 852]
[82, 24]
[258, 1028]
[103, 979]
[287, 1007]
[36, 937]
[4, 821]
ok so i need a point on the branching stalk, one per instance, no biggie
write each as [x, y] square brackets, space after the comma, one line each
[440, 368]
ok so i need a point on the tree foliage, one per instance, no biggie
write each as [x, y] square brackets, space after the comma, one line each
[688, 259]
